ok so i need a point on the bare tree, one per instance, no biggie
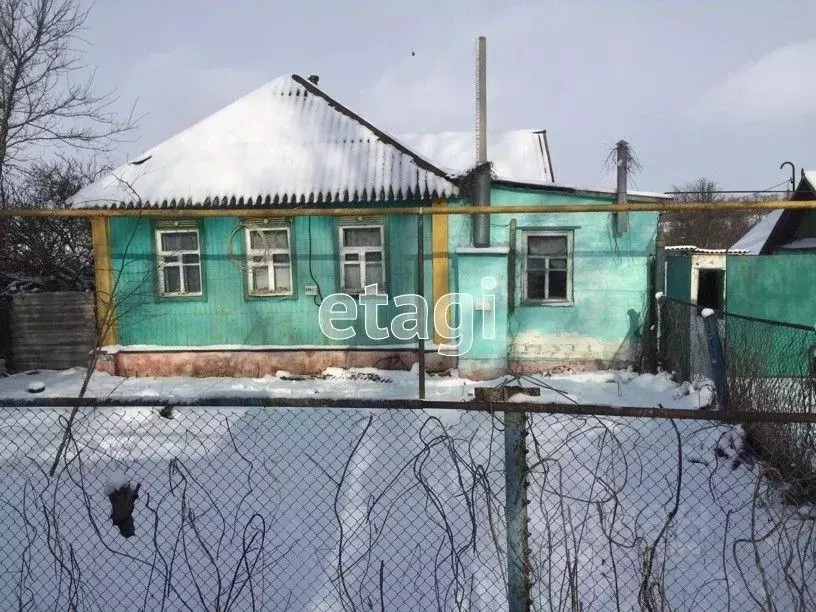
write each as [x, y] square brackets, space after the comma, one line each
[46, 98]
[704, 229]
[51, 254]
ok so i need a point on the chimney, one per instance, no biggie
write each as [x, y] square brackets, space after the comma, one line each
[620, 220]
[313, 78]
[481, 223]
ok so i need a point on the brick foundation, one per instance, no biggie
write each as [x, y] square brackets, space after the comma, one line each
[256, 364]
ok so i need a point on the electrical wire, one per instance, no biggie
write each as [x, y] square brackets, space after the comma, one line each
[319, 297]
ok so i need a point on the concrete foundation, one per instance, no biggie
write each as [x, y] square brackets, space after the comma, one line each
[256, 364]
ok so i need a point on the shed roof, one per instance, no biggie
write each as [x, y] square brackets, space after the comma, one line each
[285, 143]
[755, 238]
[778, 227]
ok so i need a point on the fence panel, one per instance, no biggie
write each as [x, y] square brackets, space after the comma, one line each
[338, 509]
[52, 330]
[254, 509]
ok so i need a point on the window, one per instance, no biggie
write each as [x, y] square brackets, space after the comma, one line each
[179, 258]
[269, 261]
[361, 257]
[548, 267]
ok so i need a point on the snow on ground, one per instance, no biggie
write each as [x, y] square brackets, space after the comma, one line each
[333, 509]
[614, 388]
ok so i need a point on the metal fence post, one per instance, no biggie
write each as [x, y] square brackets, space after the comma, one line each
[515, 479]
[715, 354]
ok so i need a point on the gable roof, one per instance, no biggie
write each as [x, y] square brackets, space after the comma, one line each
[520, 155]
[285, 143]
[778, 227]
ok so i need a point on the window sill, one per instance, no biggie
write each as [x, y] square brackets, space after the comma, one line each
[276, 294]
[182, 297]
[555, 303]
[359, 294]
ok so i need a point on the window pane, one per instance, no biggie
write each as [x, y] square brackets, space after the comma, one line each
[172, 279]
[179, 241]
[558, 285]
[268, 239]
[558, 264]
[351, 276]
[280, 259]
[537, 264]
[536, 286]
[282, 278]
[192, 279]
[260, 279]
[352, 257]
[373, 256]
[374, 275]
[361, 236]
[547, 245]
[189, 259]
[170, 259]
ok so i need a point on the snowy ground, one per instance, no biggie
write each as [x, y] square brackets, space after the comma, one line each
[614, 388]
[333, 509]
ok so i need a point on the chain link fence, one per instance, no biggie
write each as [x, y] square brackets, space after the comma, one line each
[338, 509]
[769, 366]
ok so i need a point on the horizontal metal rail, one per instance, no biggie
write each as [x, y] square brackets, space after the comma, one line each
[735, 315]
[463, 209]
[227, 401]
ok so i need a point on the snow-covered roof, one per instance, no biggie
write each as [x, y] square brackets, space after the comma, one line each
[690, 248]
[755, 239]
[284, 143]
[801, 243]
[521, 155]
[810, 177]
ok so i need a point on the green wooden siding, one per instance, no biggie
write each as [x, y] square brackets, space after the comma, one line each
[678, 277]
[778, 287]
[225, 314]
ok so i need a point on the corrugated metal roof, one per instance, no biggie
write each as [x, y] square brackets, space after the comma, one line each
[285, 143]
[690, 248]
[520, 155]
[755, 238]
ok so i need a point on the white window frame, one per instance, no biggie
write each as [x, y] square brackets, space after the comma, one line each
[161, 254]
[270, 264]
[361, 251]
[525, 235]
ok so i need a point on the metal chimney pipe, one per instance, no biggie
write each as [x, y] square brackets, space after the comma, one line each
[481, 100]
[481, 174]
[621, 219]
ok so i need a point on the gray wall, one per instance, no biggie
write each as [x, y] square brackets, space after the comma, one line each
[51, 330]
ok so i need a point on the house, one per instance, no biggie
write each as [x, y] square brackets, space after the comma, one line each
[772, 276]
[197, 275]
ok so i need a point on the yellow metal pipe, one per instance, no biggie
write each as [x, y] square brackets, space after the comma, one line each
[464, 209]
[103, 274]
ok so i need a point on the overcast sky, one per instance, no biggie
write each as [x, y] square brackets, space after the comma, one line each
[725, 90]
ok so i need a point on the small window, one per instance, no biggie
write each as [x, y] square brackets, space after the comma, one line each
[361, 258]
[269, 261]
[548, 267]
[179, 260]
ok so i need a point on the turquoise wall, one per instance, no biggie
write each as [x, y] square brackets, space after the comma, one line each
[778, 287]
[610, 279]
[483, 275]
[603, 323]
[678, 277]
[225, 314]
